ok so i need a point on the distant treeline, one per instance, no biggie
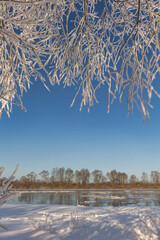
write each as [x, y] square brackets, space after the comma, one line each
[67, 178]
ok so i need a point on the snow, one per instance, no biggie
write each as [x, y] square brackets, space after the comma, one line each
[46, 222]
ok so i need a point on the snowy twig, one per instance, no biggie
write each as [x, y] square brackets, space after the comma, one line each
[5, 194]
[84, 43]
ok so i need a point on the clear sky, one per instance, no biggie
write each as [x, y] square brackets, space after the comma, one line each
[51, 134]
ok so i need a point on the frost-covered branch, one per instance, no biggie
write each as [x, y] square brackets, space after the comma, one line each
[5, 194]
[85, 43]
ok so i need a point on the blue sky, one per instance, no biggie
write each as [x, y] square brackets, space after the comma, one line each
[51, 134]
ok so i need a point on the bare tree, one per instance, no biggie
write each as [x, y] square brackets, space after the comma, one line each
[54, 173]
[61, 175]
[78, 177]
[69, 175]
[113, 177]
[97, 176]
[23, 179]
[32, 176]
[82, 43]
[85, 175]
[144, 178]
[133, 179]
[155, 177]
[123, 178]
[45, 175]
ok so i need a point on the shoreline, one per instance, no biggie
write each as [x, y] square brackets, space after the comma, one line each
[89, 189]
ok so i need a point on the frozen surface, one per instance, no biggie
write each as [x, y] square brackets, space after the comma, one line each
[45, 222]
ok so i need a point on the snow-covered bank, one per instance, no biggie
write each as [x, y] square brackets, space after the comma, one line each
[46, 222]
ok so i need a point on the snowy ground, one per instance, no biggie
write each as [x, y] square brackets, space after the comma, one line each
[46, 222]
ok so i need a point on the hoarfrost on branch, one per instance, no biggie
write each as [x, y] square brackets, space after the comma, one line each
[85, 43]
[5, 194]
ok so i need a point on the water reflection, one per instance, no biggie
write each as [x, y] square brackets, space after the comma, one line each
[113, 198]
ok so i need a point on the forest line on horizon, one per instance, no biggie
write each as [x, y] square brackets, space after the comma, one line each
[67, 178]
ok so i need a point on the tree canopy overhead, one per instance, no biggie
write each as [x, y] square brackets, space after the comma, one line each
[85, 43]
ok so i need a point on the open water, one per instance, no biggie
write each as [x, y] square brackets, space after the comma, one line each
[96, 198]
